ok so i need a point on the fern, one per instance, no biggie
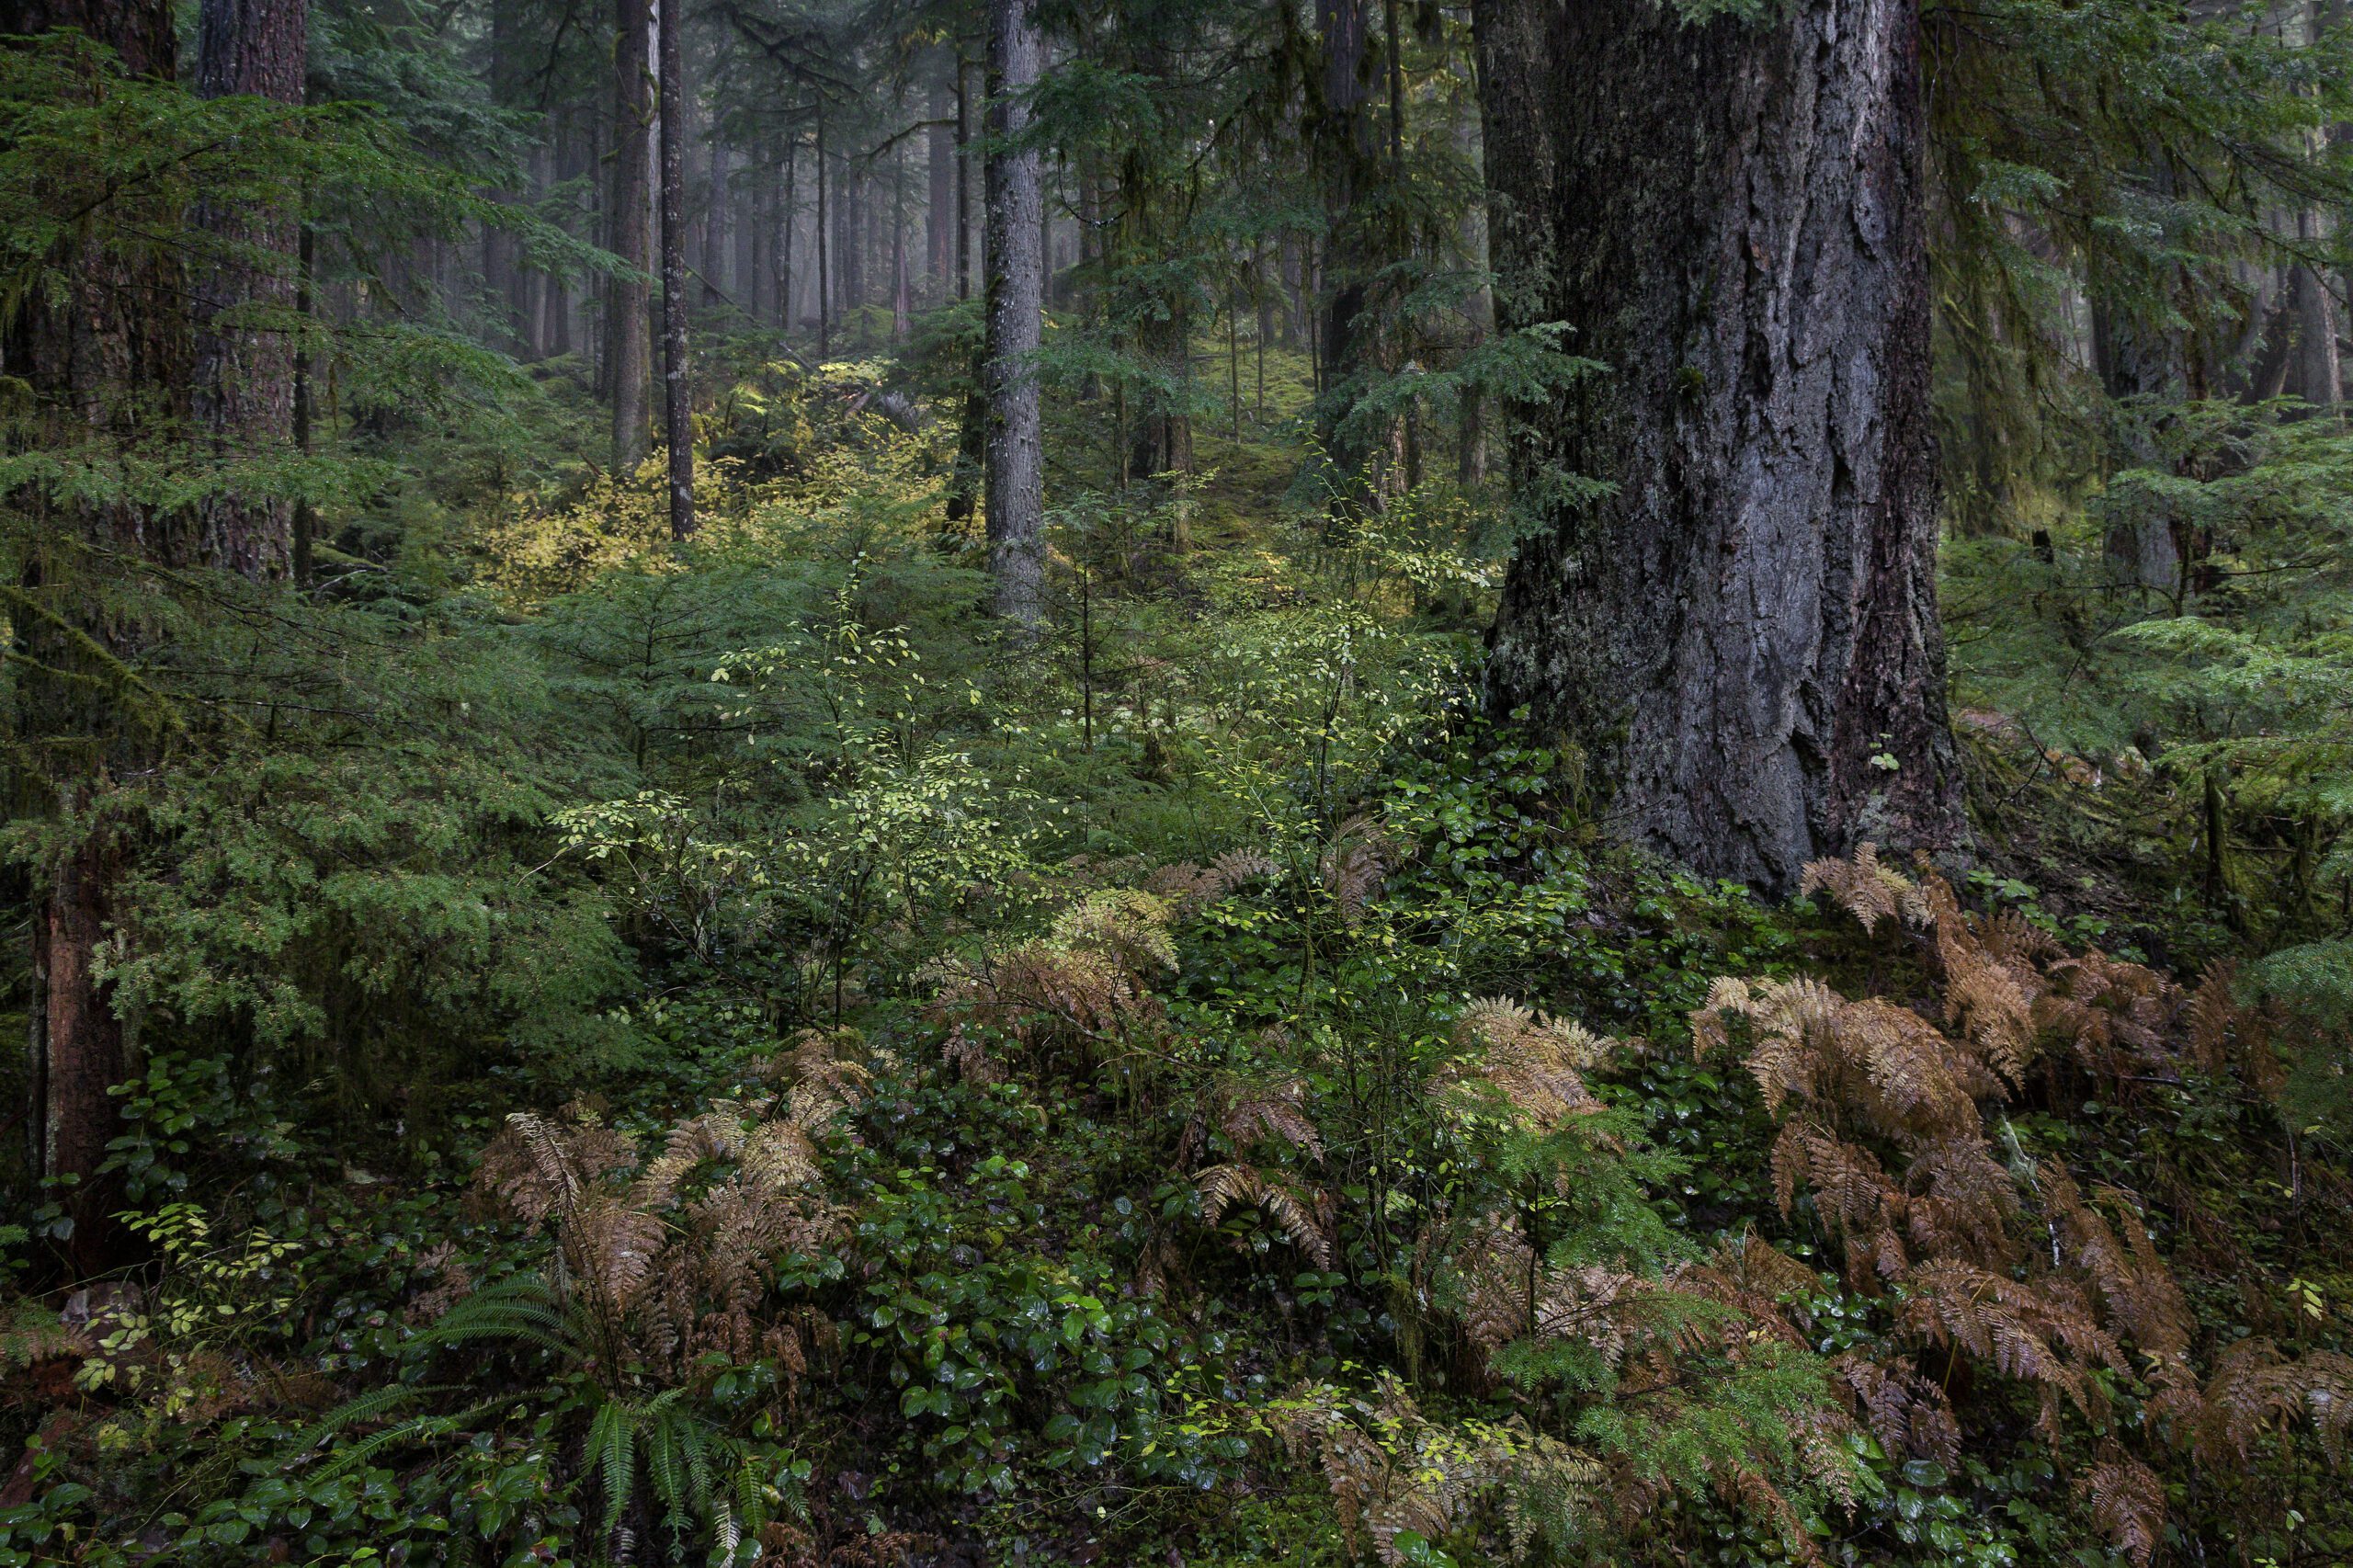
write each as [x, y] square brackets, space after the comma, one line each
[2128, 1501]
[1866, 888]
[1232, 1185]
[1880, 1127]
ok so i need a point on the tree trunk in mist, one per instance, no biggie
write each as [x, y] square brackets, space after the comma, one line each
[716, 235]
[851, 260]
[765, 307]
[940, 220]
[963, 180]
[1743, 635]
[743, 285]
[825, 250]
[628, 348]
[677, 411]
[502, 277]
[792, 204]
[2137, 362]
[902, 301]
[574, 152]
[1016, 502]
[110, 362]
[244, 394]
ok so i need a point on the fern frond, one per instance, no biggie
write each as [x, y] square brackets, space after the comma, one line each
[612, 1452]
[1236, 1186]
[2128, 1501]
[1355, 864]
[1865, 889]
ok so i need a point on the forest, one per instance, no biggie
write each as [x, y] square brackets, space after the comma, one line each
[1361, 783]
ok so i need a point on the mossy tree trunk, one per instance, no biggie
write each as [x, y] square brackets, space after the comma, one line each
[1016, 301]
[108, 363]
[1743, 633]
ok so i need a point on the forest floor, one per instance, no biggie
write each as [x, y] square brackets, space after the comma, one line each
[1191, 1089]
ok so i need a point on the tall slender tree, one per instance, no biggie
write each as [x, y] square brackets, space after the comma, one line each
[678, 412]
[1730, 214]
[627, 346]
[940, 221]
[1015, 304]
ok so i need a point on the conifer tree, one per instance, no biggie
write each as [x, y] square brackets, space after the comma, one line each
[1729, 212]
[1016, 495]
[107, 364]
[628, 349]
[677, 411]
[244, 362]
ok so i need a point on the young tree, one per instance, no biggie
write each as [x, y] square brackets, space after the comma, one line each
[677, 414]
[1016, 494]
[627, 348]
[1728, 212]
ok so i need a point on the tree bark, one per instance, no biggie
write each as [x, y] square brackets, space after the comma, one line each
[110, 361]
[628, 349]
[678, 412]
[1349, 155]
[1016, 498]
[243, 391]
[2318, 376]
[1742, 635]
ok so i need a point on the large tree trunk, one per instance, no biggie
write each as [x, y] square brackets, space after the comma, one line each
[244, 359]
[678, 414]
[1743, 634]
[1345, 150]
[1016, 500]
[628, 349]
[110, 362]
[2318, 373]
